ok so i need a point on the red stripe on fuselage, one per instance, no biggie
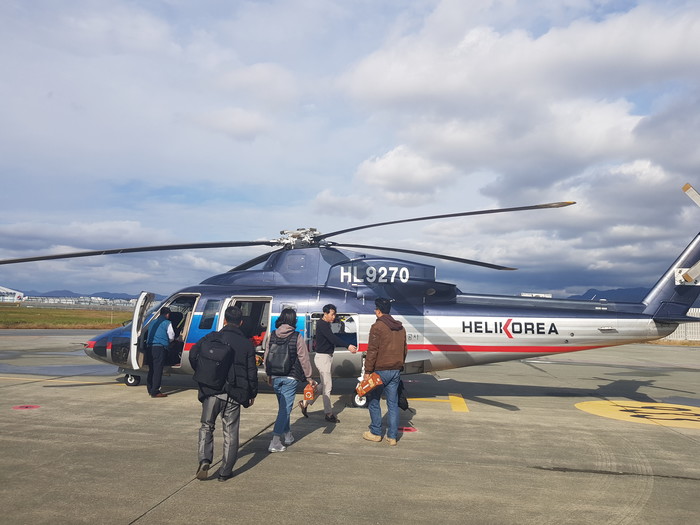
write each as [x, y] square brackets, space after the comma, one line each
[497, 349]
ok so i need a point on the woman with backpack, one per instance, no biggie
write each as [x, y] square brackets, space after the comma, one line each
[286, 364]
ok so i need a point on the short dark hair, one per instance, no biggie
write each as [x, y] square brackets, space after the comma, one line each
[288, 316]
[164, 311]
[383, 305]
[233, 315]
[327, 309]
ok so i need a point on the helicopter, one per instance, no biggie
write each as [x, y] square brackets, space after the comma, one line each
[445, 328]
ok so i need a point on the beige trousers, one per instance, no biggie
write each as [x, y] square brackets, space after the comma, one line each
[323, 363]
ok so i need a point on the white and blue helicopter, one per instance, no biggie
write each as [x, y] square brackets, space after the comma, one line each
[445, 328]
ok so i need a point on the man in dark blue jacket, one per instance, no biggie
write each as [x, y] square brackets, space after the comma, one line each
[244, 375]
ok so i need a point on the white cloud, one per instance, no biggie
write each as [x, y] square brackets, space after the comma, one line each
[352, 205]
[269, 85]
[404, 177]
[237, 123]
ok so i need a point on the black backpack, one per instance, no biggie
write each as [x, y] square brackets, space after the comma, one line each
[213, 361]
[281, 355]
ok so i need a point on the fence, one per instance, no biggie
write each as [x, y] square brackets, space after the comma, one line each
[687, 331]
[97, 303]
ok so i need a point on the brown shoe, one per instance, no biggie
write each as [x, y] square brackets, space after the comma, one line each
[371, 437]
[303, 408]
[391, 441]
[159, 394]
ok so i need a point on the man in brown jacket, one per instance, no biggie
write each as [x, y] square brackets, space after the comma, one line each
[386, 354]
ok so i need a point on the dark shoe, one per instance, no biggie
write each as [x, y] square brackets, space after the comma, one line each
[159, 394]
[203, 470]
[303, 408]
[332, 418]
[224, 478]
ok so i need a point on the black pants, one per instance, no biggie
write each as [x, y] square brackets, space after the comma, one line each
[230, 411]
[156, 363]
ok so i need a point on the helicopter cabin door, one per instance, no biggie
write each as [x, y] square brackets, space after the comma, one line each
[256, 317]
[136, 351]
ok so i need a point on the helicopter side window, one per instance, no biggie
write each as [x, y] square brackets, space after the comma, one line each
[209, 314]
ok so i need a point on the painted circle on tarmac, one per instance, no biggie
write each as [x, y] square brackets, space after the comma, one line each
[663, 414]
[25, 407]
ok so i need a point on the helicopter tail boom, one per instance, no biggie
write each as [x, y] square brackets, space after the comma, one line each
[672, 296]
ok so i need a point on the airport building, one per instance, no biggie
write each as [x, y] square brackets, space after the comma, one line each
[10, 296]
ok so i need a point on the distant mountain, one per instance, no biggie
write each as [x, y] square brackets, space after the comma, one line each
[624, 295]
[110, 295]
[54, 293]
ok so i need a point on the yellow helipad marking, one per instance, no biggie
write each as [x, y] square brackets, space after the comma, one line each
[663, 414]
[456, 401]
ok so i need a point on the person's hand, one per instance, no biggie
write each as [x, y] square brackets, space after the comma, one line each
[251, 401]
[353, 349]
[365, 377]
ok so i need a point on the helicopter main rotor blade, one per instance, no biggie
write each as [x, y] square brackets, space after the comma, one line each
[448, 216]
[165, 247]
[425, 254]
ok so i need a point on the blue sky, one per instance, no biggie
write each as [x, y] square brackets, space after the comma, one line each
[134, 123]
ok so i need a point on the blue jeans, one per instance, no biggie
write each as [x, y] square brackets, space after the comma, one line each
[286, 389]
[391, 379]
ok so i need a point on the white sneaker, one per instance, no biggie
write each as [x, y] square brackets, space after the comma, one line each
[276, 445]
[288, 438]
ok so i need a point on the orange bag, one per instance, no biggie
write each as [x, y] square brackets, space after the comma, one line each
[309, 392]
[368, 384]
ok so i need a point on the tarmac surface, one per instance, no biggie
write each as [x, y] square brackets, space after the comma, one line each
[603, 436]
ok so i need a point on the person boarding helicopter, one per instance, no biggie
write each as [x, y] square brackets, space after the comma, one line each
[325, 342]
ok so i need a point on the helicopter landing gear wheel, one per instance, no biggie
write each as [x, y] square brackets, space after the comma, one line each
[359, 401]
[132, 380]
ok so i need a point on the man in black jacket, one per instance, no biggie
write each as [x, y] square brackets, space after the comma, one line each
[325, 342]
[244, 375]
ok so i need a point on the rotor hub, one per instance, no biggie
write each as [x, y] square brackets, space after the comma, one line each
[299, 238]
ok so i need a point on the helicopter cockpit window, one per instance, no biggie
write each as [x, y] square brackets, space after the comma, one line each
[209, 314]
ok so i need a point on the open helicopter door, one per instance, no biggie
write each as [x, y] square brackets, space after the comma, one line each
[136, 350]
[256, 318]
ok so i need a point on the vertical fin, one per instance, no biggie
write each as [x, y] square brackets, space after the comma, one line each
[667, 300]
